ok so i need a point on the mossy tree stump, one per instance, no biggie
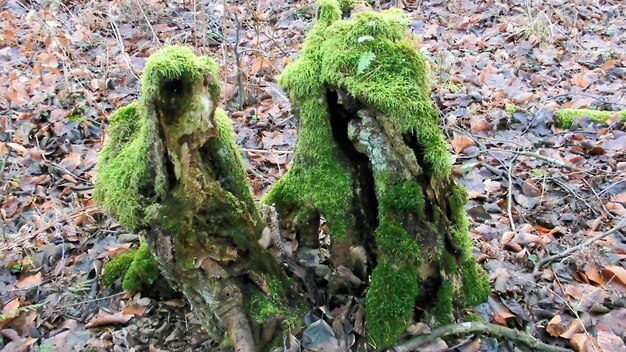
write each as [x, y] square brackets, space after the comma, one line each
[172, 172]
[371, 159]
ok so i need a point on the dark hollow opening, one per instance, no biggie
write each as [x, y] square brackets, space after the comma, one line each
[362, 170]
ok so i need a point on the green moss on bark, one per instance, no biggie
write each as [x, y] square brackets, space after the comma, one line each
[394, 82]
[129, 177]
[564, 118]
[142, 272]
[389, 302]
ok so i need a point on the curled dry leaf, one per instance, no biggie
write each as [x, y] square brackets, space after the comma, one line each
[615, 273]
[109, 319]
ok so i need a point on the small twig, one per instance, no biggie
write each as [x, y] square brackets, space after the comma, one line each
[575, 312]
[90, 300]
[118, 38]
[571, 250]
[266, 151]
[606, 211]
[156, 37]
[509, 206]
[9, 133]
[564, 186]
[541, 157]
[477, 327]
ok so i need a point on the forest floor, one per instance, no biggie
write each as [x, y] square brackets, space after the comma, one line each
[499, 71]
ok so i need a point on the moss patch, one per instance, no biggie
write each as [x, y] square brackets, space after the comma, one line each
[136, 267]
[390, 302]
[129, 176]
[394, 82]
[117, 267]
[564, 118]
[142, 272]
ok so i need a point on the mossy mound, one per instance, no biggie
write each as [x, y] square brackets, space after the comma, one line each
[564, 118]
[136, 267]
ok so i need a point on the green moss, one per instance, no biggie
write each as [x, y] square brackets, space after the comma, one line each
[136, 267]
[443, 309]
[174, 63]
[369, 57]
[476, 288]
[229, 158]
[124, 172]
[142, 272]
[117, 267]
[389, 303]
[474, 317]
[261, 307]
[564, 118]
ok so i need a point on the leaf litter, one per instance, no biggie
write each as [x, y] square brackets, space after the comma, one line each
[498, 73]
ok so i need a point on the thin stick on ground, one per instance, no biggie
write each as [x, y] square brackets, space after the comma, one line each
[477, 327]
[510, 194]
[571, 250]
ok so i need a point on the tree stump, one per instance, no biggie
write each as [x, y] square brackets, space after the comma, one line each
[171, 171]
[370, 158]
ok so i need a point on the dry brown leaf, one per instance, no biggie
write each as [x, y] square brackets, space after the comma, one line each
[460, 142]
[174, 303]
[616, 272]
[9, 312]
[18, 147]
[258, 65]
[582, 343]
[554, 327]
[594, 275]
[616, 208]
[608, 341]
[575, 326]
[113, 251]
[580, 81]
[109, 319]
[134, 309]
[29, 281]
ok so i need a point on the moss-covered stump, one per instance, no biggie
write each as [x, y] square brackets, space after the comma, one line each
[171, 171]
[564, 118]
[371, 159]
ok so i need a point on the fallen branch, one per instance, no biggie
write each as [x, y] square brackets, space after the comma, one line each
[571, 250]
[544, 158]
[477, 327]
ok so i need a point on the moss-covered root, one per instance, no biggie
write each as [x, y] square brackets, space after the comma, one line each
[564, 118]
